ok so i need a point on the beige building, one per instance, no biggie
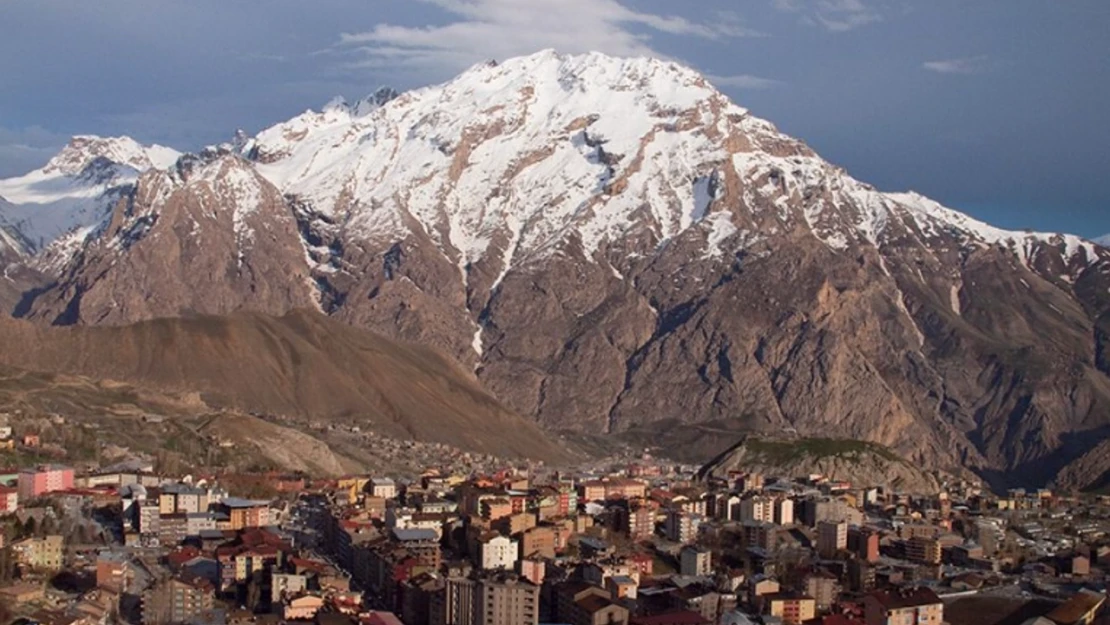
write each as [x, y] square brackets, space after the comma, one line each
[44, 554]
[509, 601]
[922, 549]
[758, 508]
[383, 487]
[824, 589]
[917, 606]
[792, 609]
[176, 600]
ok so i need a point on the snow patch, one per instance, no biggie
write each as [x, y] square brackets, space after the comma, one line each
[720, 229]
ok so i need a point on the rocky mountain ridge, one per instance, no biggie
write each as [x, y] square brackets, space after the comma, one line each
[612, 244]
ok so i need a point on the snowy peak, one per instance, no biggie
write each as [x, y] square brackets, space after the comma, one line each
[529, 151]
[1104, 240]
[83, 150]
[72, 194]
[515, 158]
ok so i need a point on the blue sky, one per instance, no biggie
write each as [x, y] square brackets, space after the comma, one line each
[997, 107]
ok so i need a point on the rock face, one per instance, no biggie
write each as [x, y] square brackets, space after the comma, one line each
[205, 238]
[612, 244]
[865, 465]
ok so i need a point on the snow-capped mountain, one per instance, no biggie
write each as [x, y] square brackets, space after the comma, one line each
[513, 159]
[1104, 240]
[73, 192]
[615, 245]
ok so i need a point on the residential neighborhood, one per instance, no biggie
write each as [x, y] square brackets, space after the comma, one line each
[627, 541]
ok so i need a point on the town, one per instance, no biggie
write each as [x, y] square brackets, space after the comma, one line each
[633, 541]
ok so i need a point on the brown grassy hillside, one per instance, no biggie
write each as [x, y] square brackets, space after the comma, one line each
[301, 364]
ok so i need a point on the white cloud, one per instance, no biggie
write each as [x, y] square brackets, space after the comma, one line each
[834, 15]
[966, 65]
[499, 29]
[742, 81]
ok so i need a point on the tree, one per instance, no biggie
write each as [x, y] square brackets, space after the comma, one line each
[29, 527]
[7, 565]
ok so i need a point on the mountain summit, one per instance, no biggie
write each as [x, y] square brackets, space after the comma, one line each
[615, 246]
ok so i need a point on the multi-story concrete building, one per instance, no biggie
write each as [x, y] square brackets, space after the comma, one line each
[9, 499]
[44, 554]
[792, 609]
[509, 600]
[832, 537]
[44, 479]
[497, 552]
[150, 517]
[861, 576]
[695, 561]
[244, 513]
[466, 597]
[923, 549]
[864, 543]
[681, 526]
[383, 487]
[824, 589]
[177, 600]
[759, 535]
[784, 511]
[538, 541]
[112, 571]
[641, 523]
[458, 603]
[757, 508]
[905, 606]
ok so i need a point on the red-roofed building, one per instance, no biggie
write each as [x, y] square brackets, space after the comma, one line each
[904, 606]
[253, 550]
[178, 557]
[9, 499]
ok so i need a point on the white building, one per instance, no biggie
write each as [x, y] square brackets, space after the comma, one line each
[383, 487]
[497, 552]
[784, 511]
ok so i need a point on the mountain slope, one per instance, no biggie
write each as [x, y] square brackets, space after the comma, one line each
[614, 245]
[300, 364]
[207, 237]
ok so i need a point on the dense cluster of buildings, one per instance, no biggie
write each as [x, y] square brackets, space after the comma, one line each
[639, 544]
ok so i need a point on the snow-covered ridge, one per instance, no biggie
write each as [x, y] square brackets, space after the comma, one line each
[513, 159]
[540, 147]
[74, 191]
[526, 149]
[83, 149]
